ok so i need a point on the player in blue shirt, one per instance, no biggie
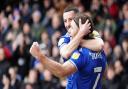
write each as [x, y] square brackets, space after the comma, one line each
[90, 65]
[85, 68]
[67, 46]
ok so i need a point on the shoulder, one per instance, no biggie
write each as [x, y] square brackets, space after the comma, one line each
[64, 39]
[78, 60]
[84, 50]
[66, 36]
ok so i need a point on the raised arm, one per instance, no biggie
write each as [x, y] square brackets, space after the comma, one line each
[95, 44]
[59, 70]
[67, 49]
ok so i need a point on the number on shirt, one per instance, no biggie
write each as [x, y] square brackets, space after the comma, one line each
[99, 70]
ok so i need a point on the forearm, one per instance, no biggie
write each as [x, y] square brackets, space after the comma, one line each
[54, 67]
[67, 49]
[94, 44]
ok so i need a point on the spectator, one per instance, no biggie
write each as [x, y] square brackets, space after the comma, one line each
[117, 53]
[4, 28]
[21, 57]
[25, 12]
[4, 64]
[45, 43]
[27, 33]
[6, 81]
[112, 8]
[32, 79]
[108, 51]
[37, 27]
[14, 81]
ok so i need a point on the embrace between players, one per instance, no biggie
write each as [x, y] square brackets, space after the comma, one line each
[81, 48]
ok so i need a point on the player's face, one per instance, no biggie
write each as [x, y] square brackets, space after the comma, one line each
[73, 29]
[68, 17]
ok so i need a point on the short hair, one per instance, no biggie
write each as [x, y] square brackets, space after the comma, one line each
[83, 18]
[71, 8]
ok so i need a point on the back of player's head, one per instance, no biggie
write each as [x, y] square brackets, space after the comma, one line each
[71, 8]
[83, 18]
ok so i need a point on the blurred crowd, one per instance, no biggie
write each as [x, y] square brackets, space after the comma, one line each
[25, 21]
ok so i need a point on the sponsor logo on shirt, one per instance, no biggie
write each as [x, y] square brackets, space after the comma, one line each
[75, 55]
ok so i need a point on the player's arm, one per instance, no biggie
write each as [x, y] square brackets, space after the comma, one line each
[59, 70]
[67, 49]
[95, 44]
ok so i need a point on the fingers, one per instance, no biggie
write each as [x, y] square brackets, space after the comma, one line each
[86, 23]
[34, 50]
[80, 23]
[84, 28]
[89, 25]
[34, 45]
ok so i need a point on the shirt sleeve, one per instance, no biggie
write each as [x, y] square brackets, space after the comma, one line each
[62, 41]
[77, 59]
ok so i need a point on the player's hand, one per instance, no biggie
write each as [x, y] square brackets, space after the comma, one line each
[35, 49]
[84, 28]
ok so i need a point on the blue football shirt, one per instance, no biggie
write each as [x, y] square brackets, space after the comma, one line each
[90, 68]
[64, 40]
